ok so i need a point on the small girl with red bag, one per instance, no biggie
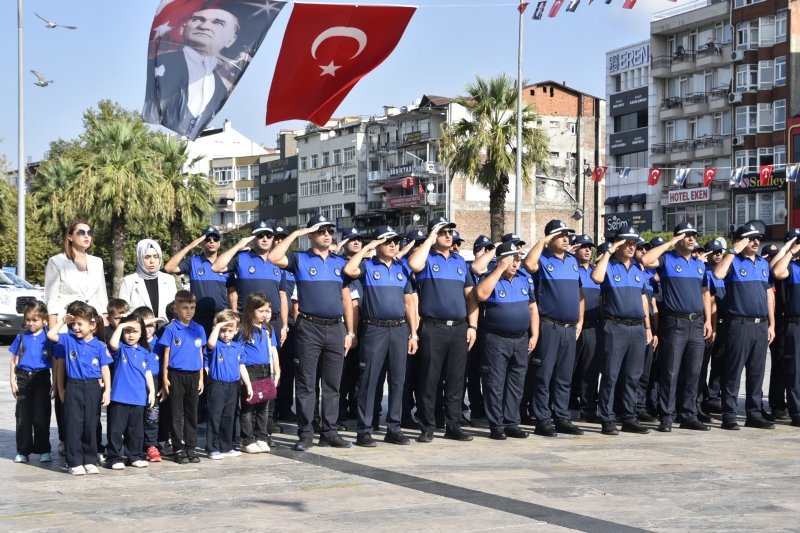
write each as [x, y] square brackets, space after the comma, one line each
[260, 358]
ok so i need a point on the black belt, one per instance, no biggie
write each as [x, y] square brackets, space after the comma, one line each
[507, 335]
[686, 316]
[444, 322]
[260, 366]
[557, 322]
[792, 319]
[76, 380]
[22, 372]
[320, 321]
[626, 321]
[753, 320]
[384, 323]
[590, 325]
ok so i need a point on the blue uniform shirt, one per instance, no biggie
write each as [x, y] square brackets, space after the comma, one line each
[441, 285]
[681, 283]
[507, 308]
[319, 282]
[156, 350]
[717, 289]
[34, 351]
[257, 351]
[185, 344]
[558, 287]
[622, 291]
[792, 284]
[591, 296]
[83, 358]
[252, 274]
[650, 285]
[129, 385]
[747, 283]
[222, 363]
[209, 287]
[382, 290]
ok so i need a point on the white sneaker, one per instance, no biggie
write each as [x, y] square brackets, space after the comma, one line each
[116, 466]
[232, 453]
[92, 469]
[253, 447]
[263, 445]
[216, 456]
[77, 471]
[141, 463]
[45, 458]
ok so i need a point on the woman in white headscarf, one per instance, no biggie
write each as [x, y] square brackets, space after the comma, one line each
[148, 286]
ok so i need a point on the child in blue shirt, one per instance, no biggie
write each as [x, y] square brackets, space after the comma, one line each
[84, 383]
[182, 375]
[31, 365]
[152, 413]
[131, 391]
[224, 369]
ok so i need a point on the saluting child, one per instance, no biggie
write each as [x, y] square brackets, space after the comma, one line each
[152, 413]
[31, 365]
[182, 375]
[85, 366]
[224, 368]
[131, 391]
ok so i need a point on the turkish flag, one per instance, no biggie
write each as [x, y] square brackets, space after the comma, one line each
[708, 175]
[326, 50]
[765, 175]
[653, 176]
[629, 4]
[599, 173]
[556, 8]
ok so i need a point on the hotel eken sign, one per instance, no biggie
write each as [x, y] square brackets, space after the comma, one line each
[681, 196]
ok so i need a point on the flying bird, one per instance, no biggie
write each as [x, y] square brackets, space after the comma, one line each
[52, 25]
[40, 80]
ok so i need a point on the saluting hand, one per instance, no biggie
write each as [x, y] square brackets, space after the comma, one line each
[198, 241]
[740, 245]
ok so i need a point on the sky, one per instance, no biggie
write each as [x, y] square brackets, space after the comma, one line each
[447, 43]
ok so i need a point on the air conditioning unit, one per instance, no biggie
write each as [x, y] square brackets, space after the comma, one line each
[737, 55]
[735, 98]
[737, 140]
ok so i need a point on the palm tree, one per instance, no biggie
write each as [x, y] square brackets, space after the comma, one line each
[483, 147]
[50, 186]
[189, 195]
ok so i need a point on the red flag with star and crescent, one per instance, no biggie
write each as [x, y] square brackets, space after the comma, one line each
[765, 175]
[599, 173]
[708, 175]
[653, 176]
[555, 8]
[326, 50]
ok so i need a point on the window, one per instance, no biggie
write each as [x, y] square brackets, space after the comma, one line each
[314, 161]
[779, 156]
[766, 74]
[349, 155]
[746, 77]
[325, 186]
[223, 174]
[349, 184]
[241, 195]
[335, 212]
[765, 117]
[746, 158]
[779, 115]
[721, 123]
[765, 156]
[746, 35]
[254, 172]
[764, 206]
[244, 172]
[742, 3]
[303, 190]
[313, 188]
[746, 120]
[253, 194]
[780, 71]
[554, 124]
[571, 127]
[766, 31]
[337, 157]
[326, 159]
[780, 26]
[303, 163]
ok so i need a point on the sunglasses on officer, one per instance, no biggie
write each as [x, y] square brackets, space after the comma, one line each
[212, 238]
[264, 235]
[443, 232]
[326, 231]
[394, 240]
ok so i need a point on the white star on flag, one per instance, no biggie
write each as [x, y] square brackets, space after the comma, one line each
[268, 7]
[163, 29]
[329, 69]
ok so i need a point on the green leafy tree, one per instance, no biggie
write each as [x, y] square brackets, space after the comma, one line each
[483, 146]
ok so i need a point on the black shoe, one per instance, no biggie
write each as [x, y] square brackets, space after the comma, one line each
[288, 417]
[758, 423]
[665, 426]
[767, 416]
[425, 436]
[409, 424]
[694, 424]
[545, 428]
[714, 407]
[465, 422]
[393, 437]
[457, 434]
[704, 418]
[730, 425]
[440, 424]
[334, 441]
[277, 428]
[795, 421]
[376, 425]
[526, 420]
[609, 428]
[181, 458]
[340, 427]
[192, 456]
[516, 433]
[634, 427]
[497, 434]
[477, 414]
[365, 440]
[304, 444]
[780, 414]
[568, 428]
[592, 418]
[644, 416]
[315, 426]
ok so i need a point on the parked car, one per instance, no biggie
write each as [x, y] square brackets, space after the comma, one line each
[15, 292]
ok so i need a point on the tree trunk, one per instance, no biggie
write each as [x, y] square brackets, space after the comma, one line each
[118, 239]
[176, 233]
[497, 212]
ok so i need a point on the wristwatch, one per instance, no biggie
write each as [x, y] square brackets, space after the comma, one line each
[413, 337]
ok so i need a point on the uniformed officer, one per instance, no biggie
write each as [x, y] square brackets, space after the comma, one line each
[561, 304]
[449, 316]
[321, 339]
[684, 324]
[642, 413]
[787, 269]
[509, 330]
[352, 243]
[778, 387]
[209, 287]
[708, 393]
[413, 238]
[587, 363]
[626, 331]
[482, 246]
[285, 398]
[388, 331]
[751, 326]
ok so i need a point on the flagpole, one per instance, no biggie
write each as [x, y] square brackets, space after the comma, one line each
[518, 182]
[21, 167]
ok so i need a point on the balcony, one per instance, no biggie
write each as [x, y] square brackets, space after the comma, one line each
[713, 54]
[718, 98]
[414, 137]
[658, 153]
[377, 175]
[695, 103]
[660, 66]
[671, 107]
[683, 61]
[682, 150]
[712, 146]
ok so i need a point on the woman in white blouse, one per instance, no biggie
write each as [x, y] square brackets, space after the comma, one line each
[74, 274]
[148, 286]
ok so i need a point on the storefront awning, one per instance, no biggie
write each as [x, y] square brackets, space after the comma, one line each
[611, 200]
[639, 198]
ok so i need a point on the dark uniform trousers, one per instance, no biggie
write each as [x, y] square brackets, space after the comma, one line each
[791, 367]
[285, 398]
[33, 411]
[711, 372]
[646, 392]
[504, 363]
[442, 353]
[348, 387]
[222, 399]
[381, 347]
[553, 364]
[323, 345]
[472, 381]
[183, 402]
[589, 360]
[81, 415]
[152, 416]
[745, 348]
[778, 382]
[254, 420]
[125, 433]
[680, 357]
[623, 358]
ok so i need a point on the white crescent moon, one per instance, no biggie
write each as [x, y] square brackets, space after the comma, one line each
[340, 31]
